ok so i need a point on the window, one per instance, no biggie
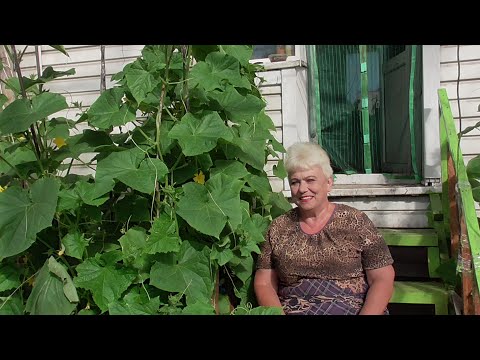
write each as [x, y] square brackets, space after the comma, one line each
[273, 52]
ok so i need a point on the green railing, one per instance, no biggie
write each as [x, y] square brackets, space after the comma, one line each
[459, 209]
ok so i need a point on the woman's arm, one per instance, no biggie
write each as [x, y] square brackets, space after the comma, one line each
[266, 287]
[380, 290]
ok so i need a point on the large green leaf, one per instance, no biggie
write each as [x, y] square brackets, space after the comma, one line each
[87, 192]
[24, 213]
[134, 208]
[238, 107]
[87, 142]
[11, 305]
[107, 283]
[60, 48]
[140, 82]
[473, 167]
[216, 71]
[133, 242]
[222, 255]
[109, 110]
[15, 155]
[163, 236]
[68, 288]
[199, 308]
[3, 100]
[48, 75]
[50, 293]
[197, 136]
[134, 304]
[189, 273]
[249, 145]
[208, 207]
[243, 53]
[75, 244]
[57, 127]
[232, 168]
[131, 168]
[243, 267]
[19, 115]
[9, 277]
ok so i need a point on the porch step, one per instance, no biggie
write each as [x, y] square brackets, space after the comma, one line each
[382, 190]
[421, 261]
[413, 292]
[410, 237]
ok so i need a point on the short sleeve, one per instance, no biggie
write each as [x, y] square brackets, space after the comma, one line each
[264, 260]
[375, 252]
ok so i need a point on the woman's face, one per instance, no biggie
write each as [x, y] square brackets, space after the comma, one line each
[310, 188]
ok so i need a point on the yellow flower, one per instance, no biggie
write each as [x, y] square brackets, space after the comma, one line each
[199, 177]
[59, 142]
[31, 281]
[2, 189]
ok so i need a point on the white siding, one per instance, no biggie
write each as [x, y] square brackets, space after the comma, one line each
[466, 99]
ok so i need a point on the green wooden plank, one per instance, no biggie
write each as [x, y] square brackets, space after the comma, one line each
[444, 174]
[436, 206]
[433, 261]
[367, 152]
[412, 292]
[410, 237]
[465, 190]
[442, 241]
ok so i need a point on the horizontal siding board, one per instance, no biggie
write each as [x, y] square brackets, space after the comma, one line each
[274, 102]
[276, 116]
[64, 86]
[267, 90]
[87, 98]
[467, 123]
[270, 77]
[469, 107]
[468, 70]
[399, 219]
[470, 145]
[466, 89]
[381, 203]
[278, 134]
[467, 52]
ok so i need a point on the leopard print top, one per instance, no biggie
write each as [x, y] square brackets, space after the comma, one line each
[342, 250]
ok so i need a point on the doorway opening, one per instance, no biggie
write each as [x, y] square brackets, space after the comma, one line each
[366, 107]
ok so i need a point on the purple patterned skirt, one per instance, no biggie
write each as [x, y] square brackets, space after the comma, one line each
[321, 297]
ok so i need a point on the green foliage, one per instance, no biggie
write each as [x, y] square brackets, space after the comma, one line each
[176, 206]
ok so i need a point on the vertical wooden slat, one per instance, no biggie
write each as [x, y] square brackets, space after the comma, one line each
[466, 266]
[453, 208]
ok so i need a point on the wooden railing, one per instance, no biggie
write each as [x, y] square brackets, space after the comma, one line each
[459, 210]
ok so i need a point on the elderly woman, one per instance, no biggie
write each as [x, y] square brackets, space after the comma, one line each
[322, 258]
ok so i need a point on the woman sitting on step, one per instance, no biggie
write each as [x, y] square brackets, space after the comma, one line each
[322, 258]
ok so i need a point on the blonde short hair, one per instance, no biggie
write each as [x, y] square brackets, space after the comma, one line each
[305, 156]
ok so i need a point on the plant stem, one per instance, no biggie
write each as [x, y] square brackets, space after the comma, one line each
[24, 95]
[13, 167]
[158, 122]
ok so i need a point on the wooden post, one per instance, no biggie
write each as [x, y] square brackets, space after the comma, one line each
[452, 197]
[467, 276]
